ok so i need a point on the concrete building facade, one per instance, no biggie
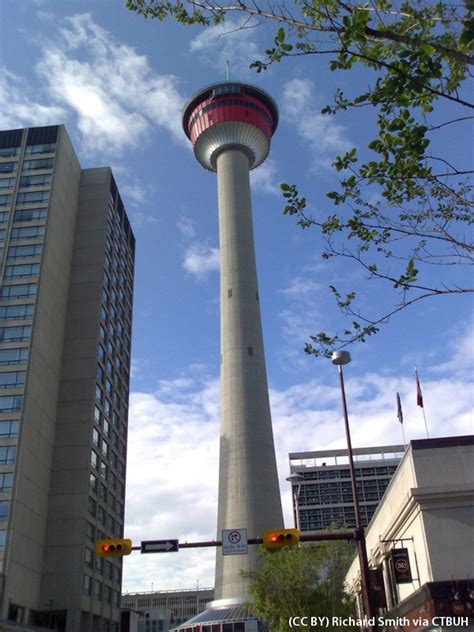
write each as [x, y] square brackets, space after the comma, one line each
[159, 611]
[421, 539]
[324, 493]
[67, 258]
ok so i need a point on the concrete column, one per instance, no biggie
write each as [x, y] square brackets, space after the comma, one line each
[249, 495]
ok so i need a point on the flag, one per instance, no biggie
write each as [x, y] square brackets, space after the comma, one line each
[419, 395]
[399, 409]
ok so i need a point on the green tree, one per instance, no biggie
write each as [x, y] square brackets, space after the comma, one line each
[298, 581]
[403, 211]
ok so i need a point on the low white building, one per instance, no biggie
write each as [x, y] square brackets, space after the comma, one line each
[421, 538]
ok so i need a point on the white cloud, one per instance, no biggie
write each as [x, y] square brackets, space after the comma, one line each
[299, 108]
[17, 110]
[201, 259]
[186, 227]
[111, 90]
[263, 178]
[172, 468]
[233, 41]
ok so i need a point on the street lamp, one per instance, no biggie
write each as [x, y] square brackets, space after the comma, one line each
[339, 358]
[295, 478]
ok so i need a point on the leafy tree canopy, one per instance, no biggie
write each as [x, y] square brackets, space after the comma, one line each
[306, 580]
[407, 210]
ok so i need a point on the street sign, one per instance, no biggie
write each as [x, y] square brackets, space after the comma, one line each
[234, 542]
[401, 566]
[160, 546]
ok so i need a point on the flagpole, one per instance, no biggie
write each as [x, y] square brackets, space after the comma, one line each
[426, 425]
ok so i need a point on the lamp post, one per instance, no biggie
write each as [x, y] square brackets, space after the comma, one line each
[295, 479]
[339, 358]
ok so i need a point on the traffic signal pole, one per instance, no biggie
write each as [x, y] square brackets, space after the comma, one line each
[335, 535]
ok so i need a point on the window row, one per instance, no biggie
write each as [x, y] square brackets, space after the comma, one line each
[104, 494]
[6, 481]
[22, 290]
[24, 252]
[25, 215]
[16, 312]
[39, 163]
[10, 334]
[17, 355]
[10, 403]
[101, 591]
[108, 521]
[35, 181]
[4, 509]
[7, 183]
[9, 428]
[12, 379]
[21, 270]
[7, 454]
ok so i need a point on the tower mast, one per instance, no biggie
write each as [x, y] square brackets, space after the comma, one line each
[230, 125]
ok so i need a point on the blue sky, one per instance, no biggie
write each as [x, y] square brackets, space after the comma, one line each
[118, 82]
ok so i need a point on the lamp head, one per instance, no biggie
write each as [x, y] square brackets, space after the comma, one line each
[295, 477]
[340, 358]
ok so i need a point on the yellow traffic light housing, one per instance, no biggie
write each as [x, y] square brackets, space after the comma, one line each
[113, 548]
[276, 538]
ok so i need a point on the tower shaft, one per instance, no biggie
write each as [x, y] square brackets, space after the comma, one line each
[249, 495]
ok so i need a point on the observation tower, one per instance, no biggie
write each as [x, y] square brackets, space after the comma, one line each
[230, 126]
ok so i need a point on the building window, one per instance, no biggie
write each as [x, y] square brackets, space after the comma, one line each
[4, 215]
[35, 181]
[7, 183]
[9, 428]
[6, 152]
[3, 537]
[87, 584]
[94, 459]
[30, 215]
[32, 196]
[17, 355]
[90, 532]
[27, 233]
[24, 252]
[8, 167]
[97, 589]
[40, 163]
[43, 148]
[6, 481]
[23, 290]
[95, 437]
[5, 200]
[16, 312]
[21, 270]
[89, 558]
[10, 403]
[9, 334]
[4, 509]
[92, 506]
[93, 482]
[12, 379]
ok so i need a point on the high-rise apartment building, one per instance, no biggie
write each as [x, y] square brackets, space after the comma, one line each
[323, 496]
[66, 265]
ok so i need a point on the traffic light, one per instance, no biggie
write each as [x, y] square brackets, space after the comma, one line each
[113, 548]
[276, 538]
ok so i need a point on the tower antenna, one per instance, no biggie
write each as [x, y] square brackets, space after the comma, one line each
[227, 69]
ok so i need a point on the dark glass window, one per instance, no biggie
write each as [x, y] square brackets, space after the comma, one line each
[7, 454]
[27, 232]
[30, 215]
[21, 270]
[12, 379]
[6, 481]
[32, 196]
[8, 334]
[24, 252]
[21, 290]
[9, 428]
[16, 312]
[8, 167]
[13, 356]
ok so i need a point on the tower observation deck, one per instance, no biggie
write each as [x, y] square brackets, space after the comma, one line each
[230, 126]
